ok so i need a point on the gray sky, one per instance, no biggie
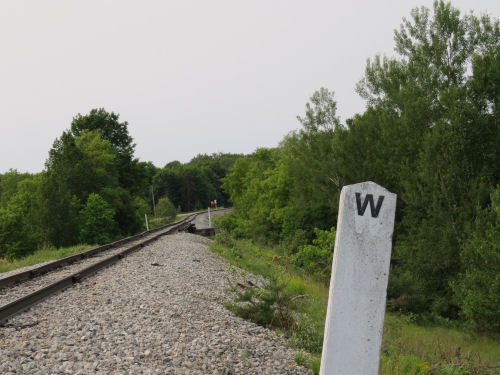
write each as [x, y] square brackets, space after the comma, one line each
[189, 76]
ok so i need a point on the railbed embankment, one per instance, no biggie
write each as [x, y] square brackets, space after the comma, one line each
[158, 311]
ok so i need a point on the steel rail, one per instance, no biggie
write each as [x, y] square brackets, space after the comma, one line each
[34, 272]
[23, 303]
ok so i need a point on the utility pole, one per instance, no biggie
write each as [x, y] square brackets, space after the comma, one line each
[153, 197]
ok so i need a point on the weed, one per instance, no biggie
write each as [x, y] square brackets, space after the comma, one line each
[315, 365]
[301, 359]
[451, 370]
[395, 364]
[295, 286]
[244, 357]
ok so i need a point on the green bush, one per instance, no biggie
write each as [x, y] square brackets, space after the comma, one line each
[317, 258]
[301, 358]
[225, 239]
[306, 220]
[270, 306]
[295, 286]
[165, 208]
[97, 221]
[308, 335]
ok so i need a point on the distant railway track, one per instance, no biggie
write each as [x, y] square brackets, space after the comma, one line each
[22, 290]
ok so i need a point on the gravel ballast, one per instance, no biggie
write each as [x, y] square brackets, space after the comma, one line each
[157, 311]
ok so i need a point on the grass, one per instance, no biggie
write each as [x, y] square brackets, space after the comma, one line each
[158, 222]
[408, 348]
[42, 255]
[439, 346]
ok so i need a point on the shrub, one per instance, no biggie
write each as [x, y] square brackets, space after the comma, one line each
[317, 258]
[308, 335]
[97, 221]
[301, 358]
[165, 208]
[225, 239]
[270, 306]
[295, 286]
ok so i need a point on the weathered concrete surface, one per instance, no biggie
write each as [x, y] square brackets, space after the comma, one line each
[358, 286]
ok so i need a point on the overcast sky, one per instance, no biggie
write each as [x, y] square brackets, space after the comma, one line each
[189, 76]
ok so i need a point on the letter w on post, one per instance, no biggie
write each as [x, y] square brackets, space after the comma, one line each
[369, 198]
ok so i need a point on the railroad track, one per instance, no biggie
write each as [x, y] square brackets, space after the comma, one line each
[22, 290]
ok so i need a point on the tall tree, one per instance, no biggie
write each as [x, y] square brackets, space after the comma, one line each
[9, 182]
[109, 126]
[131, 173]
[440, 144]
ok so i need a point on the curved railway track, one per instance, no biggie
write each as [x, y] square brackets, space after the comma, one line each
[22, 290]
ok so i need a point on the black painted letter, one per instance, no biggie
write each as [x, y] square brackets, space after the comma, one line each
[369, 198]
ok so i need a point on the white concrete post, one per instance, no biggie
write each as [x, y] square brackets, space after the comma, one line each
[358, 286]
[209, 219]
[146, 218]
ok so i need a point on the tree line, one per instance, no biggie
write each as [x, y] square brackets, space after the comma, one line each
[93, 189]
[430, 133]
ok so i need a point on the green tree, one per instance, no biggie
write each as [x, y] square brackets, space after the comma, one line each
[22, 228]
[283, 194]
[78, 167]
[321, 112]
[100, 158]
[16, 239]
[97, 221]
[168, 182]
[165, 208]
[132, 175]
[259, 194]
[193, 185]
[435, 141]
[66, 167]
[429, 133]
[306, 159]
[8, 185]
[129, 209]
[60, 213]
[478, 286]
[28, 202]
[75, 168]
[109, 126]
